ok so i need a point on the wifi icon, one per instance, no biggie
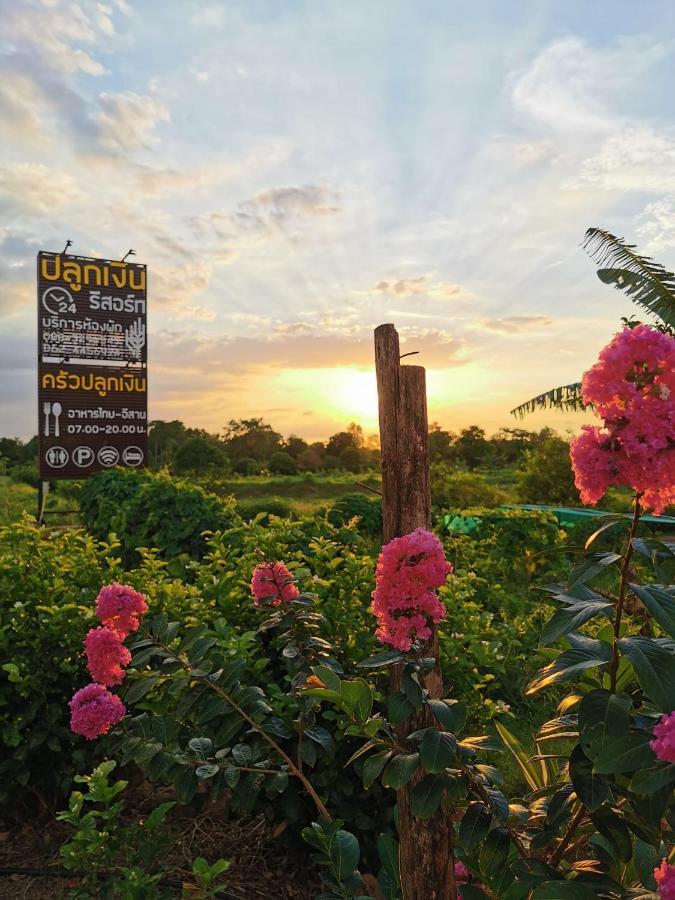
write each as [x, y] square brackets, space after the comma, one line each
[108, 456]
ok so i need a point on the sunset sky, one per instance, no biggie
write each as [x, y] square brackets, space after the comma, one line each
[295, 173]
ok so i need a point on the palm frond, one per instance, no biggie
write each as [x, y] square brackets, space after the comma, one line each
[646, 282]
[567, 397]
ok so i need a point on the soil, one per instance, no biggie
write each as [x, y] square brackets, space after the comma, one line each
[261, 866]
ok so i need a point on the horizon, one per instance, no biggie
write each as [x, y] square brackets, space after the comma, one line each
[295, 176]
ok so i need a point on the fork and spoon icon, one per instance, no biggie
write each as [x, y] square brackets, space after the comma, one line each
[54, 409]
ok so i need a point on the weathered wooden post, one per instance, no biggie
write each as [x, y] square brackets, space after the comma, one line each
[426, 857]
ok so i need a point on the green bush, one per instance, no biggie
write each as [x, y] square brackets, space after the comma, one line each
[547, 477]
[48, 582]
[25, 473]
[454, 489]
[369, 511]
[154, 510]
[282, 463]
[276, 506]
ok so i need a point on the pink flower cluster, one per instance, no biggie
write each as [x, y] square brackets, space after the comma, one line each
[106, 655]
[632, 387]
[270, 585]
[119, 606]
[665, 878]
[408, 570]
[94, 709]
[664, 738]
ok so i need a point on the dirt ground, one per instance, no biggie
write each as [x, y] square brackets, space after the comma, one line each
[261, 866]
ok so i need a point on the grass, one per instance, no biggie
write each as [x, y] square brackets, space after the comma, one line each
[17, 498]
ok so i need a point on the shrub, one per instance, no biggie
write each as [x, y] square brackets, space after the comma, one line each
[547, 476]
[246, 466]
[282, 463]
[153, 510]
[48, 580]
[200, 454]
[276, 506]
[25, 473]
[453, 489]
[368, 510]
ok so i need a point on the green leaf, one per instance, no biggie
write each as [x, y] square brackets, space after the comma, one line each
[425, 797]
[206, 770]
[328, 676]
[399, 708]
[563, 890]
[387, 850]
[494, 851]
[659, 603]
[532, 773]
[186, 784]
[591, 789]
[654, 666]
[201, 745]
[571, 617]
[450, 713]
[358, 698]
[438, 750]
[241, 753]
[589, 567]
[373, 766]
[320, 736]
[646, 282]
[139, 687]
[400, 770]
[603, 720]
[474, 825]
[612, 827]
[645, 858]
[625, 755]
[344, 852]
[569, 664]
[649, 781]
[388, 658]
[473, 892]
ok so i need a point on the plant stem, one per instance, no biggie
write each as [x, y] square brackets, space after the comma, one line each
[557, 854]
[623, 583]
[293, 769]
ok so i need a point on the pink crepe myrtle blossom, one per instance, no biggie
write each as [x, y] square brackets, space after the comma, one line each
[632, 388]
[268, 587]
[408, 570]
[119, 607]
[106, 656]
[665, 879]
[94, 710]
[663, 744]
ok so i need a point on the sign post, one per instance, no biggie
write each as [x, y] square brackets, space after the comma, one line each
[92, 366]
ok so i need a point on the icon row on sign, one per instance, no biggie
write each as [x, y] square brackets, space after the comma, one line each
[83, 456]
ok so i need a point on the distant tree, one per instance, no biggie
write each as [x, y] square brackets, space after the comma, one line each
[13, 450]
[547, 476]
[200, 453]
[352, 459]
[295, 445]
[246, 466]
[282, 463]
[352, 438]
[252, 438]
[164, 438]
[311, 459]
[472, 447]
[511, 443]
[440, 444]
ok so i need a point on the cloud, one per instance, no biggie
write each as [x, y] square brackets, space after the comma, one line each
[656, 228]
[35, 188]
[571, 86]
[290, 202]
[635, 158]
[513, 324]
[54, 32]
[420, 285]
[128, 120]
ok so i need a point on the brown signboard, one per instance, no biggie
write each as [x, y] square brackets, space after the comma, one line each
[92, 365]
[91, 309]
[91, 418]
